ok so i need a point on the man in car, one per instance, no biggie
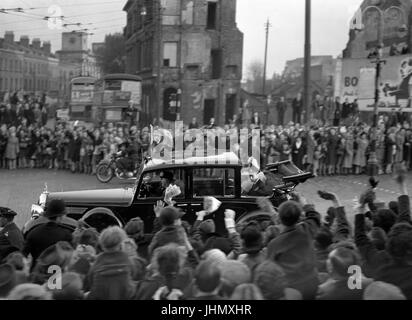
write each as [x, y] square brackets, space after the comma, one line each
[129, 153]
[166, 180]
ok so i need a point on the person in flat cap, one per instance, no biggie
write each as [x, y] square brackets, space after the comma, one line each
[11, 238]
[47, 234]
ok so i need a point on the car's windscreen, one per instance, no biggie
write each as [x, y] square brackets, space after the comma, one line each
[155, 183]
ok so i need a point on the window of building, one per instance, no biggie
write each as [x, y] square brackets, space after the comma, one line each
[171, 12]
[216, 59]
[211, 15]
[192, 71]
[1, 84]
[231, 72]
[170, 54]
[6, 84]
[148, 4]
[1, 63]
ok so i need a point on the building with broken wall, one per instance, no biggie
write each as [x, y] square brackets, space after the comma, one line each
[199, 61]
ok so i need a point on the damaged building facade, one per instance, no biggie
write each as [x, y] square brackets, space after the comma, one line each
[195, 47]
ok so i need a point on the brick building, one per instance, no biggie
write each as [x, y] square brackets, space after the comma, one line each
[368, 26]
[199, 61]
[75, 50]
[33, 68]
[384, 24]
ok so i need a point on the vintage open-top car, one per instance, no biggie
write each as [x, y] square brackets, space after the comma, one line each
[222, 177]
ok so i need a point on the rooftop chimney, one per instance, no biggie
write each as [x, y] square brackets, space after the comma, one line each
[36, 43]
[24, 41]
[9, 36]
[46, 47]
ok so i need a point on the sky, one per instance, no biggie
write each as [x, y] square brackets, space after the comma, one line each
[330, 25]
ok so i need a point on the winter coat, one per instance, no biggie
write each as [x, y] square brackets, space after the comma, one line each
[360, 157]
[45, 235]
[12, 149]
[348, 157]
[339, 290]
[11, 239]
[310, 148]
[331, 156]
[110, 278]
[294, 251]
[170, 234]
[298, 154]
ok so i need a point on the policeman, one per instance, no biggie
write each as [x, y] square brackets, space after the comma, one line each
[11, 238]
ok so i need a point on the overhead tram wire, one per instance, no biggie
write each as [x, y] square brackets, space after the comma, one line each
[76, 5]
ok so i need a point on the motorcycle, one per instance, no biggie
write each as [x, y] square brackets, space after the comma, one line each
[107, 169]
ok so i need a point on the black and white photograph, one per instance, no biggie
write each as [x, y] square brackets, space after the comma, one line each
[205, 153]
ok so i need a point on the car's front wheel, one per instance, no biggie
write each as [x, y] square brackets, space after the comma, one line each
[101, 218]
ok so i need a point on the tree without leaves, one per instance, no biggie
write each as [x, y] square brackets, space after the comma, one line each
[112, 56]
[254, 78]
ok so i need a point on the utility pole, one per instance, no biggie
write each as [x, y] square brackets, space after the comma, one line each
[306, 85]
[159, 24]
[267, 26]
[373, 166]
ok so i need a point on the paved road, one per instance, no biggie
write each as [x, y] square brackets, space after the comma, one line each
[19, 189]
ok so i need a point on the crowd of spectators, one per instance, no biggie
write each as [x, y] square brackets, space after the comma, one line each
[295, 254]
[332, 143]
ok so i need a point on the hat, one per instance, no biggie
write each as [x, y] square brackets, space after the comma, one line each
[207, 226]
[170, 214]
[235, 273]
[252, 239]
[167, 175]
[8, 279]
[135, 228]
[72, 287]
[16, 259]
[59, 254]
[223, 244]
[215, 255]
[55, 208]
[382, 291]
[29, 291]
[271, 280]
[6, 212]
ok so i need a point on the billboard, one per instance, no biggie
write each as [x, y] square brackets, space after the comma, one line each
[357, 81]
[82, 96]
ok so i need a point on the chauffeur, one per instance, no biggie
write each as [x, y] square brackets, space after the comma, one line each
[11, 238]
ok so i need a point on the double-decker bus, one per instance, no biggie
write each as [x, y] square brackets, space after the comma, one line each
[117, 98]
[81, 98]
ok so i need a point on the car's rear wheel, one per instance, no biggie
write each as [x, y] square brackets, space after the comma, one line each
[104, 173]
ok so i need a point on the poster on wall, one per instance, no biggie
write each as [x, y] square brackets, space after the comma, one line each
[357, 81]
[135, 90]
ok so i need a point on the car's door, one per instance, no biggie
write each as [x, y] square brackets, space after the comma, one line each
[220, 183]
[145, 200]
